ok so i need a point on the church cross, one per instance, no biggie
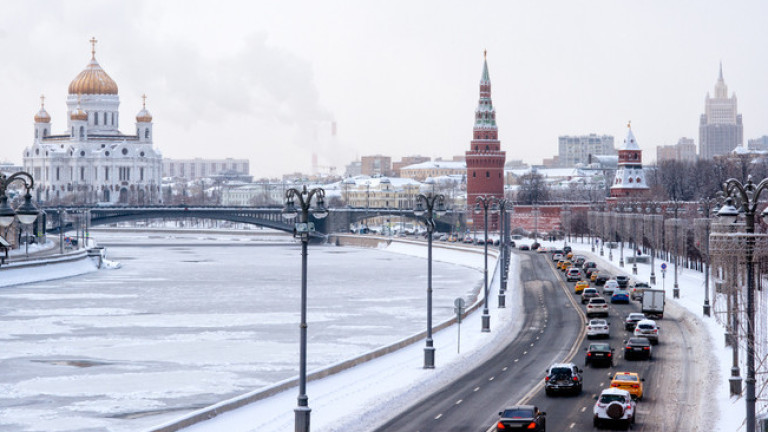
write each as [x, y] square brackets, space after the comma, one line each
[93, 47]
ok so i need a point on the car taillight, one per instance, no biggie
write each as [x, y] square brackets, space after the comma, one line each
[609, 354]
[655, 330]
[546, 378]
[576, 379]
[635, 386]
[589, 354]
[614, 385]
[629, 347]
[647, 348]
[500, 425]
[532, 425]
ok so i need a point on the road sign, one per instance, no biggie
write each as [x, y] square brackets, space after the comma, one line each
[459, 310]
[663, 266]
[459, 302]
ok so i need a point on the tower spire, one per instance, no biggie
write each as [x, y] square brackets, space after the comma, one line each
[42, 101]
[93, 48]
[721, 71]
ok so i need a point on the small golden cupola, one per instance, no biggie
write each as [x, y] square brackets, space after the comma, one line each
[144, 116]
[78, 113]
[42, 116]
[93, 80]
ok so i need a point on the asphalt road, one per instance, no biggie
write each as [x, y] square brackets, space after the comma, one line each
[553, 331]
[472, 403]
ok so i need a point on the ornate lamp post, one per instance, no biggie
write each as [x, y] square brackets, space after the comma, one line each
[484, 203]
[27, 212]
[567, 222]
[430, 201]
[705, 209]
[302, 229]
[504, 207]
[653, 215]
[748, 194]
[677, 207]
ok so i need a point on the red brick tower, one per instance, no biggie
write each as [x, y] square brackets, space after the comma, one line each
[485, 160]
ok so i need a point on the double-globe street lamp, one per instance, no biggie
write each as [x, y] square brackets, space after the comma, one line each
[748, 195]
[26, 213]
[302, 229]
[504, 207]
[428, 206]
[705, 209]
[485, 204]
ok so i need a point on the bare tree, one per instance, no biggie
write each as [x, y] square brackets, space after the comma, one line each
[533, 189]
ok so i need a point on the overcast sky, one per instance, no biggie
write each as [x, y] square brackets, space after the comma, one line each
[263, 79]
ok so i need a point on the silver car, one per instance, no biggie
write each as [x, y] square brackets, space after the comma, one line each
[648, 329]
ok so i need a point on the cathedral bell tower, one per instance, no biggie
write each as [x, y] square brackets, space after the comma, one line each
[485, 159]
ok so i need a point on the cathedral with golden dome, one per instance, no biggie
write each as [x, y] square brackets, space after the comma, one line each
[92, 161]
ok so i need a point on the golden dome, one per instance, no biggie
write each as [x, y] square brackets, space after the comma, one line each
[144, 116]
[93, 80]
[42, 116]
[78, 113]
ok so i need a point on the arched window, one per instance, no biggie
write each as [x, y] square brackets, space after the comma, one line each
[73, 131]
[96, 118]
[45, 132]
[486, 147]
[105, 119]
[146, 133]
[36, 133]
[474, 174]
[487, 174]
[82, 132]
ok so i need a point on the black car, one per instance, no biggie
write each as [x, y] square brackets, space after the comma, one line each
[590, 264]
[589, 270]
[524, 247]
[599, 354]
[567, 249]
[535, 245]
[622, 280]
[638, 348]
[563, 377]
[601, 279]
[632, 319]
[522, 417]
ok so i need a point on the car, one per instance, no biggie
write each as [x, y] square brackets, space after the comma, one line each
[598, 354]
[598, 328]
[579, 261]
[629, 381]
[614, 406]
[542, 249]
[557, 257]
[620, 296]
[522, 417]
[597, 306]
[567, 249]
[566, 265]
[535, 245]
[602, 279]
[593, 275]
[632, 319]
[610, 286]
[512, 243]
[573, 274]
[588, 271]
[590, 265]
[588, 293]
[638, 347]
[648, 329]
[622, 280]
[563, 378]
[468, 239]
[636, 293]
[580, 287]
[569, 255]
[524, 247]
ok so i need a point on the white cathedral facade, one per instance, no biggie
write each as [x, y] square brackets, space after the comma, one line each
[92, 161]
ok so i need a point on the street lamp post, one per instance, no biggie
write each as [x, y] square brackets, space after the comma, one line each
[483, 203]
[653, 216]
[705, 210]
[303, 229]
[429, 201]
[567, 222]
[27, 212]
[675, 209]
[748, 194]
[504, 206]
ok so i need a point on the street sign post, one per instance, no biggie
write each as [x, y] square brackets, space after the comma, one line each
[459, 307]
[663, 273]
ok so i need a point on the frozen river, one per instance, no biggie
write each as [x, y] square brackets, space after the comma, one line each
[190, 320]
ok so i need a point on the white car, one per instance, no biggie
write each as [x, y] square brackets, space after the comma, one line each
[597, 306]
[610, 286]
[614, 406]
[557, 257]
[598, 328]
[647, 329]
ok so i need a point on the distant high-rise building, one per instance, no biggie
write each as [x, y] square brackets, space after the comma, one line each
[200, 168]
[574, 150]
[376, 166]
[760, 144]
[684, 150]
[720, 127]
[629, 182]
[485, 160]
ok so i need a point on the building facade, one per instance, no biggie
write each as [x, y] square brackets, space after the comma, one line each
[406, 161]
[576, 149]
[629, 182]
[684, 150]
[424, 170]
[485, 159]
[720, 127]
[92, 161]
[192, 169]
[376, 165]
[759, 144]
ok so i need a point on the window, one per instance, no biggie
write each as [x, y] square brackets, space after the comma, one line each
[96, 118]
[141, 174]
[82, 173]
[474, 174]
[58, 174]
[95, 173]
[36, 133]
[146, 133]
[106, 173]
[487, 174]
[45, 132]
[82, 132]
[105, 119]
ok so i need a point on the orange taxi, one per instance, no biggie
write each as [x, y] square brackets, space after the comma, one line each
[629, 381]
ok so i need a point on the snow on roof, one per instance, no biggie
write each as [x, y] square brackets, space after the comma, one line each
[437, 165]
[630, 143]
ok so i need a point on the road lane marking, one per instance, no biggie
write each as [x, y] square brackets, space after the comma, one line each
[572, 425]
[583, 409]
[459, 401]
[504, 369]
[491, 378]
[438, 416]
[525, 352]
[516, 360]
[476, 389]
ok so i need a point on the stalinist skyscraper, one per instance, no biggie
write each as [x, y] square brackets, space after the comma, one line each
[720, 128]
